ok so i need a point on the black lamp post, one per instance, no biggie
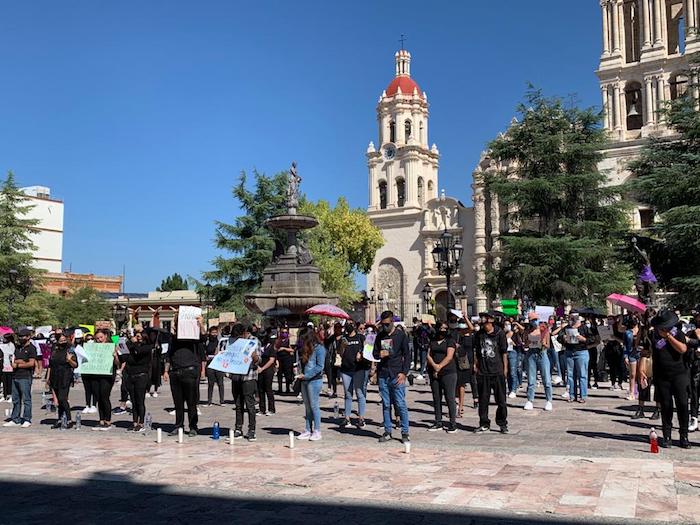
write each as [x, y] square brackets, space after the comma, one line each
[447, 255]
[427, 296]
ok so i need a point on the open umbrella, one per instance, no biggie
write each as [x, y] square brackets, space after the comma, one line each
[589, 311]
[627, 302]
[6, 330]
[328, 310]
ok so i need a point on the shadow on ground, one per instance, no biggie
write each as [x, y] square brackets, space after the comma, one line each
[112, 498]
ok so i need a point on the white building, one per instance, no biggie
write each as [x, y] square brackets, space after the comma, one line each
[404, 203]
[47, 235]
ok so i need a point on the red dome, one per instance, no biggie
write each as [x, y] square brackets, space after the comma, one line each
[407, 84]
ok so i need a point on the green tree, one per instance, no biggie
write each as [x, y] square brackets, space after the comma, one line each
[570, 223]
[343, 244]
[17, 275]
[173, 282]
[667, 178]
[82, 306]
[250, 242]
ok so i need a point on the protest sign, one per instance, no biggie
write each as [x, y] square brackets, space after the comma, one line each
[544, 312]
[367, 351]
[187, 326]
[605, 333]
[46, 350]
[236, 358]
[99, 359]
[227, 317]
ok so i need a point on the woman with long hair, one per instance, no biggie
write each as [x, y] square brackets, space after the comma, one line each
[60, 376]
[137, 365]
[442, 368]
[312, 359]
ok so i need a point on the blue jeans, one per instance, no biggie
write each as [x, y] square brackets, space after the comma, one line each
[21, 391]
[353, 384]
[311, 393]
[392, 393]
[515, 371]
[553, 361]
[577, 367]
[535, 360]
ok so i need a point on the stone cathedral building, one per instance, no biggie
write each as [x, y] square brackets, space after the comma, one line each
[645, 44]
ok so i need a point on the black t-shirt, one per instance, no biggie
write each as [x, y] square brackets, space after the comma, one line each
[490, 351]
[24, 354]
[138, 360]
[268, 352]
[667, 361]
[353, 347]
[61, 371]
[211, 347]
[185, 353]
[438, 351]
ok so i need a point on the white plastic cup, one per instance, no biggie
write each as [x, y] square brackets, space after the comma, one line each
[159, 435]
[230, 436]
[291, 439]
[180, 435]
[7, 412]
[407, 447]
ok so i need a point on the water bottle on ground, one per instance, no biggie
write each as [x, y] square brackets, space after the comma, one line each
[64, 422]
[653, 442]
[148, 423]
[78, 421]
[215, 431]
[335, 410]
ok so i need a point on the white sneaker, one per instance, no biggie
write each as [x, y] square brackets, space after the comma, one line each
[26, 424]
[85, 410]
[199, 412]
[172, 412]
[128, 404]
[693, 424]
[10, 424]
[528, 406]
[93, 410]
[512, 395]
[315, 436]
[304, 436]
[548, 406]
[565, 395]
[154, 394]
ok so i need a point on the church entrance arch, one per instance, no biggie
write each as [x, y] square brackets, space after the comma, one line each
[390, 286]
[441, 308]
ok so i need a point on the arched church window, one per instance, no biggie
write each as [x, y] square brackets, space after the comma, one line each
[420, 132]
[401, 192]
[382, 195]
[634, 110]
[421, 194]
[392, 131]
[675, 28]
[407, 129]
[430, 190]
[678, 85]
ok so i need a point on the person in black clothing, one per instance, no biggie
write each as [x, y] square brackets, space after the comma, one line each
[693, 342]
[352, 368]
[60, 376]
[334, 346]
[285, 356]
[613, 356]
[244, 386]
[184, 366]
[214, 377]
[137, 366]
[157, 338]
[442, 368]
[423, 333]
[490, 364]
[464, 355]
[266, 373]
[671, 368]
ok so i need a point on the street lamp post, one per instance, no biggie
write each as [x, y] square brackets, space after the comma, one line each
[427, 296]
[447, 255]
[373, 305]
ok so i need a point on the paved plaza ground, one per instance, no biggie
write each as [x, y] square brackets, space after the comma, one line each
[580, 463]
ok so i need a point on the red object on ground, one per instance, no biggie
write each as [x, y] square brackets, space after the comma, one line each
[653, 442]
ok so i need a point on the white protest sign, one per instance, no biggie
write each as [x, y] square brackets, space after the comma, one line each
[187, 326]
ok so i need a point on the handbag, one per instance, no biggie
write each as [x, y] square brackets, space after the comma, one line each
[463, 362]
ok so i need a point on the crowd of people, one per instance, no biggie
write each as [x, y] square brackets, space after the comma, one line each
[494, 357]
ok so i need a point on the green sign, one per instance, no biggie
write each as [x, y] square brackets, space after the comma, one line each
[510, 306]
[99, 359]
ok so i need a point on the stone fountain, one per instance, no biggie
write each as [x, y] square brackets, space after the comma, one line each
[291, 282]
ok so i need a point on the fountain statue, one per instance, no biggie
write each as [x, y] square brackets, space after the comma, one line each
[291, 282]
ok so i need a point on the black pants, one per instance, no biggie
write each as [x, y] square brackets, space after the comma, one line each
[286, 372]
[103, 388]
[90, 385]
[613, 356]
[694, 389]
[215, 378]
[444, 386]
[593, 365]
[267, 396]
[497, 385]
[7, 384]
[670, 389]
[244, 398]
[124, 394]
[156, 371]
[184, 385]
[332, 375]
[137, 384]
[416, 354]
[62, 399]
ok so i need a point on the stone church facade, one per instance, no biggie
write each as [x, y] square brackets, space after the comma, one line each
[644, 55]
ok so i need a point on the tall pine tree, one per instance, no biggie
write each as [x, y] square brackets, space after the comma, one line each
[667, 178]
[569, 222]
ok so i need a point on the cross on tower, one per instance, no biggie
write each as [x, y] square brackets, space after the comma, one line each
[402, 40]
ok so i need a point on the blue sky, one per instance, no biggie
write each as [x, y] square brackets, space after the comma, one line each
[140, 114]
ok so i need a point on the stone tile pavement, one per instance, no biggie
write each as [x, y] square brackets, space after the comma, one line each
[579, 463]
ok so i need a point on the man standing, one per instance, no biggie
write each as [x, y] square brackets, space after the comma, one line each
[391, 349]
[23, 368]
[490, 364]
[245, 385]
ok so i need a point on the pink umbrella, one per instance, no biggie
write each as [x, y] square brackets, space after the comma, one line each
[627, 302]
[6, 330]
[328, 310]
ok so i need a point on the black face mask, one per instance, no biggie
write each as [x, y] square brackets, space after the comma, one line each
[442, 333]
[62, 346]
[385, 328]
